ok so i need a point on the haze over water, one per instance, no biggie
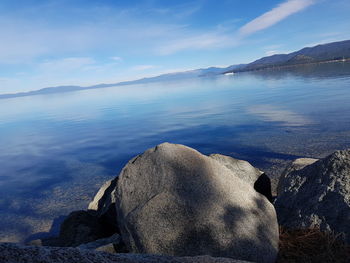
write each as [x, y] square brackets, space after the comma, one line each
[57, 150]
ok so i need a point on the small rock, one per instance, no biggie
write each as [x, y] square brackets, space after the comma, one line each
[318, 196]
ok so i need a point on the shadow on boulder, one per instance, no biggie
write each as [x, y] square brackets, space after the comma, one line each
[263, 186]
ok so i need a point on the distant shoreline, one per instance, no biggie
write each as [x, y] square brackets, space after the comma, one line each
[321, 54]
[278, 67]
[66, 89]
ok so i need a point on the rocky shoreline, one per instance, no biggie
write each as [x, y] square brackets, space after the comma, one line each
[174, 204]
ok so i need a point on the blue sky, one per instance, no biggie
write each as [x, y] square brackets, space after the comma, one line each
[86, 42]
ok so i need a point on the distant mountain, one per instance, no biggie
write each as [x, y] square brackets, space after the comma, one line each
[212, 71]
[335, 51]
[164, 77]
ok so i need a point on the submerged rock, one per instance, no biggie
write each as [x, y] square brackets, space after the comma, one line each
[13, 253]
[173, 200]
[318, 195]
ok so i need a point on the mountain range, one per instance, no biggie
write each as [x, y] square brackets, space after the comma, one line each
[335, 51]
[331, 52]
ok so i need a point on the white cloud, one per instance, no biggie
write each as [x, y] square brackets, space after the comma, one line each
[143, 67]
[225, 37]
[271, 52]
[116, 58]
[66, 64]
[27, 39]
[209, 40]
[23, 40]
[275, 15]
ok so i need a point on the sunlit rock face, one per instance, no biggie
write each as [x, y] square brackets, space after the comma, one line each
[317, 195]
[173, 200]
[296, 165]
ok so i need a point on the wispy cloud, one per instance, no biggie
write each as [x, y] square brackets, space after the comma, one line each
[275, 15]
[228, 37]
[143, 67]
[89, 45]
[197, 42]
[66, 64]
[27, 39]
[24, 39]
[116, 58]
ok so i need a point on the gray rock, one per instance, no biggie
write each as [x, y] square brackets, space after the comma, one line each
[81, 227]
[104, 244]
[318, 196]
[297, 164]
[13, 253]
[104, 197]
[243, 169]
[104, 204]
[172, 200]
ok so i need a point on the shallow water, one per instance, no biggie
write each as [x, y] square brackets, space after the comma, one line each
[56, 150]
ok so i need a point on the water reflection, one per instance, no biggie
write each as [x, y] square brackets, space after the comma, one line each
[270, 113]
[56, 150]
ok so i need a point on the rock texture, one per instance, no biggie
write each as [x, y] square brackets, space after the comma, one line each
[12, 253]
[108, 244]
[245, 171]
[172, 200]
[81, 227]
[297, 164]
[318, 195]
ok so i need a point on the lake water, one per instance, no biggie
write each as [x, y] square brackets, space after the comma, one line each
[56, 150]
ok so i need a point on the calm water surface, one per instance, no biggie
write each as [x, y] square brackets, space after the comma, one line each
[56, 150]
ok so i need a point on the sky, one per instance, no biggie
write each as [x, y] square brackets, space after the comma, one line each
[87, 42]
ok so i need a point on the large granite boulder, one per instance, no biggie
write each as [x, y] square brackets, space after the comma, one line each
[245, 171]
[297, 164]
[318, 196]
[13, 253]
[172, 200]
